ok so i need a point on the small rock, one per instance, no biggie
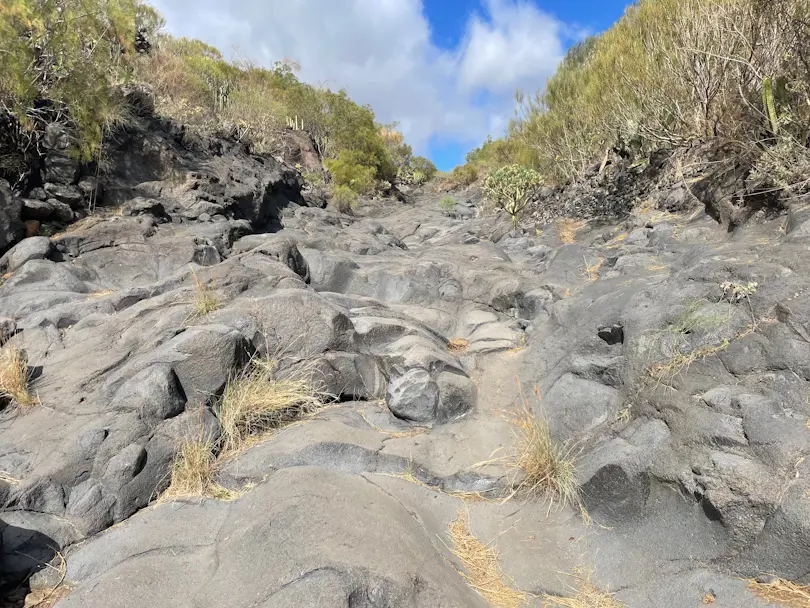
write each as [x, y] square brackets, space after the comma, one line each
[413, 396]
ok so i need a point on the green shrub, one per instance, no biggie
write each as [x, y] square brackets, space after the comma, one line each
[73, 54]
[447, 203]
[423, 166]
[344, 199]
[511, 188]
[348, 171]
[462, 176]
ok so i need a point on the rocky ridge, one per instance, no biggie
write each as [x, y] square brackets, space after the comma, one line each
[672, 354]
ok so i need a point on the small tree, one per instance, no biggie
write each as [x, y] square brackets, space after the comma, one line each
[511, 188]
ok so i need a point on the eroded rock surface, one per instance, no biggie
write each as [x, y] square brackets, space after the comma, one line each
[686, 407]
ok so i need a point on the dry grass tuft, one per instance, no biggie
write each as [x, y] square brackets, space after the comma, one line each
[782, 592]
[194, 472]
[587, 596]
[100, 294]
[395, 434]
[567, 229]
[205, 299]
[46, 598]
[457, 345]
[255, 403]
[547, 466]
[14, 378]
[482, 571]
[592, 271]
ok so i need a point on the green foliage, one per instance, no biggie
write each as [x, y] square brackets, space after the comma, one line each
[76, 53]
[770, 106]
[350, 170]
[344, 199]
[511, 188]
[424, 166]
[668, 72]
[72, 54]
[447, 203]
[462, 176]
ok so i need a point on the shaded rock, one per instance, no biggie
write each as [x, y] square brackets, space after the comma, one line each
[68, 194]
[11, 225]
[613, 334]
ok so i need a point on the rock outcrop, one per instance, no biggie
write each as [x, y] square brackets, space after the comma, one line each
[671, 357]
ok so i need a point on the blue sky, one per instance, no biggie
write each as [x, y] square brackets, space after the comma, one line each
[448, 22]
[445, 70]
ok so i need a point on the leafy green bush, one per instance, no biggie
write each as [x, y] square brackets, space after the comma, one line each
[347, 170]
[420, 164]
[511, 188]
[344, 199]
[447, 203]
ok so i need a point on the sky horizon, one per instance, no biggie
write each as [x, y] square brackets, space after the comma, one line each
[445, 70]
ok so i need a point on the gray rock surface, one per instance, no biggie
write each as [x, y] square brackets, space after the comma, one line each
[431, 338]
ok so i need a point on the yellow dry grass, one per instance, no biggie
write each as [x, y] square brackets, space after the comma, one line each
[587, 595]
[205, 299]
[784, 593]
[481, 568]
[457, 345]
[256, 403]
[547, 466]
[395, 434]
[567, 229]
[592, 270]
[14, 378]
[46, 598]
[194, 473]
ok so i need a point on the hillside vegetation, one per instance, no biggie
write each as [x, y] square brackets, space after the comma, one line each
[71, 62]
[667, 73]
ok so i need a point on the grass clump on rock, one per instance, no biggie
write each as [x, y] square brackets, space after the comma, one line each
[194, 472]
[547, 466]
[587, 595]
[206, 300]
[253, 404]
[14, 378]
[256, 402]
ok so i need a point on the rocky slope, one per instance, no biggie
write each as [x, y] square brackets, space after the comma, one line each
[671, 355]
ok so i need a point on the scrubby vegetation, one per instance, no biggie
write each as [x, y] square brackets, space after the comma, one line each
[14, 378]
[670, 72]
[511, 188]
[70, 62]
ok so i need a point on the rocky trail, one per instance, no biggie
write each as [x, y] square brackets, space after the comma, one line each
[670, 357]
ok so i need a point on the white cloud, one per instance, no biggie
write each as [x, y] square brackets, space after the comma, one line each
[381, 52]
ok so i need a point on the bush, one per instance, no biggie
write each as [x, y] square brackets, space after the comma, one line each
[462, 176]
[348, 171]
[344, 199]
[511, 188]
[447, 203]
[669, 72]
[424, 166]
[63, 61]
